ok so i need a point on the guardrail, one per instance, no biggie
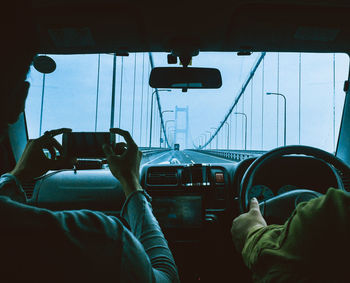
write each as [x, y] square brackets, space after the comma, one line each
[235, 155]
[148, 152]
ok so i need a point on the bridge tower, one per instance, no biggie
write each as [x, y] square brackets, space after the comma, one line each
[181, 126]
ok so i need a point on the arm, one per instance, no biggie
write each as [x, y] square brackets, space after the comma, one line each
[12, 188]
[98, 238]
[70, 244]
[138, 213]
[156, 258]
[306, 247]
[33, 163]
[247, 223]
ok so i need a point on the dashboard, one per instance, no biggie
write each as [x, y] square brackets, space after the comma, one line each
[184, 197]
[194, 204]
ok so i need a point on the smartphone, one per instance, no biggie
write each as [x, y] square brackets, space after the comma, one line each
[86, 144]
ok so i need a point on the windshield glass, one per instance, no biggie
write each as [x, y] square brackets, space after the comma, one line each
[78, 95]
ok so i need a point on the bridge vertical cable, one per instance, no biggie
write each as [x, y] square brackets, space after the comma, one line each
[262, 102]
[158, 103]
[277, 96]
[113, 90]
[133, 99]
[334, 144]
[42, 104]
[251, 112]
[97, 88]
[299, 99]
[244, 141]
[147, 103]
[121, 95]
[141, 109]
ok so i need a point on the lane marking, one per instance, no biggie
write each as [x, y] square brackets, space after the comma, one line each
[208, 155]
[188, 158]
[174, 161]
[155, 159]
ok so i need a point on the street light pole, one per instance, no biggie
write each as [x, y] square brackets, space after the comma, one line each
[228, 134]
[200, 142]
[113, 90]
[166, 124]
[42, 104]
[209, 137]
[285, 114]
[245, 128]
[172, 138]
[150, 127]
[160, 127]
[217, 140]
[205, 139]
[197, 140]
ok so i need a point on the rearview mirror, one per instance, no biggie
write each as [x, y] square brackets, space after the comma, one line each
[172, 77]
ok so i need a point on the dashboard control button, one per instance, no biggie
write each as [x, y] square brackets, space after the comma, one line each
[219, 178]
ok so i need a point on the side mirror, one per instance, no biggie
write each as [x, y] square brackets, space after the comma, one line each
[179, 77]
[44, 64]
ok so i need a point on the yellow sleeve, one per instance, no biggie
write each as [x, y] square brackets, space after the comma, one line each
[309, 245]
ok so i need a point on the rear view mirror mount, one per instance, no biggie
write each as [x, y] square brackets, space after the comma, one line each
[185, 78]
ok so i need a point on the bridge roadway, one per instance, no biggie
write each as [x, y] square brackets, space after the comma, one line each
[183, 157]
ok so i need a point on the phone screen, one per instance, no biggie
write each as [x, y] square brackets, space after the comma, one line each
[86, 144]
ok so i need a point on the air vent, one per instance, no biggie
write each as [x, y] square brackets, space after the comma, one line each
[29, 189]
[160, 176]
[346, 180]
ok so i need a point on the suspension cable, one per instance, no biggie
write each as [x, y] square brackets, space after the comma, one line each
[147, 108]
[121, 95]
[158, 102]
[133, 99]
[97, 88]
[240, 94]
[143, 81]
[113, 90]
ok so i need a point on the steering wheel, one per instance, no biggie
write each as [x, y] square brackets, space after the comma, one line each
[283, 205]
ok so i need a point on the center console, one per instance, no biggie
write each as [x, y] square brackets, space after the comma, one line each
[190, 204]
[186, 197]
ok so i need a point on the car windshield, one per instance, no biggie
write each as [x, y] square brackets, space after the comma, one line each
[78, 95]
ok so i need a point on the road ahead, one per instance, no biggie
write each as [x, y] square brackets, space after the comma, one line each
[183, 157]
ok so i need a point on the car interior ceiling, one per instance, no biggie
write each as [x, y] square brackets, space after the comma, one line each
[201, 244]
[229, 27]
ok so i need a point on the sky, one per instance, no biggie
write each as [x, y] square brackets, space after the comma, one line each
[313, 81]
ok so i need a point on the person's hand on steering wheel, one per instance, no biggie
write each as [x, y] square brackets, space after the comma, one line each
[124, 162]
[246, 223]
[34, 163]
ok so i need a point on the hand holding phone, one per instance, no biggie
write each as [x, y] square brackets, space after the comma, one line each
[86, 144]
[124, 162]
[34, 162]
